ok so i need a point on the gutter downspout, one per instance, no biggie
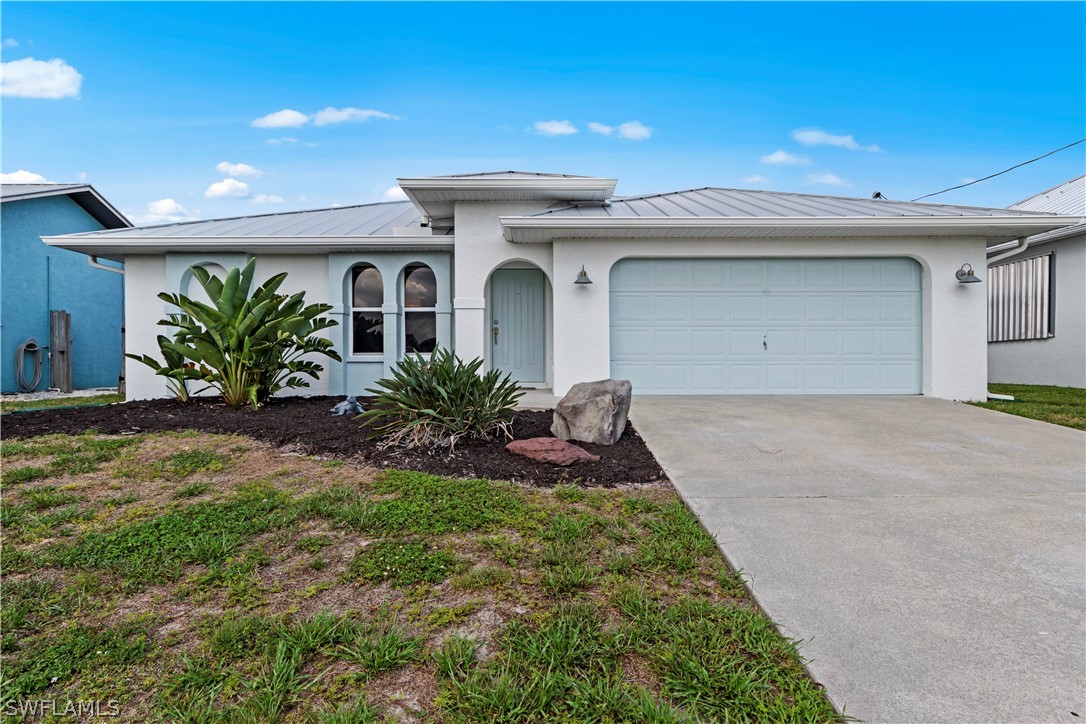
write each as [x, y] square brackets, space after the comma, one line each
[1023, 242]
[93, 261]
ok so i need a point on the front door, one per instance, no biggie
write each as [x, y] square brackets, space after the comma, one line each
[518, 323]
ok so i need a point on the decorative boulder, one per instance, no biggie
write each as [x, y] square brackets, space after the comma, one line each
[593, 412]
[550, 450]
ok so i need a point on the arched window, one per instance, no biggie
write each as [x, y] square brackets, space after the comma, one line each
[367, 321]
[420, 308]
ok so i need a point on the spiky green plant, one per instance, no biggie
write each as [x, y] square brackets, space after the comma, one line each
[437, 401]
[247, 346]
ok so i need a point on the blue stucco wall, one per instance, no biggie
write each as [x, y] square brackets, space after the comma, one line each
[36, 278]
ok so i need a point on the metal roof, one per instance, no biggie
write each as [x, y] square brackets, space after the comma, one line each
[342, 221]
[731, 203]
[83, 194]
[1067, 198]
[510, 174]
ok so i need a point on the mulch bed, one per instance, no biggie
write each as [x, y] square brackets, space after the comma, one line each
[305, 424]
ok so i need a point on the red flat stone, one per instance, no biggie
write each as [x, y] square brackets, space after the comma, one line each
[550, 450]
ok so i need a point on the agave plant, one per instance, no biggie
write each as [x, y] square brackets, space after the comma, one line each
[246, 346]
[437, 401]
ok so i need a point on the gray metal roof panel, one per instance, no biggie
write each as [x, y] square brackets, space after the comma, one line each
[1067, 198]
[363, 220]
[8, 191]
[720, 202]
[510, 175]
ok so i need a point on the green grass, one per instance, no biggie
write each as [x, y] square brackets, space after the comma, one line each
[1059, 405]
[403, 562]
[88, 401]
[326, 594]
[156, 550]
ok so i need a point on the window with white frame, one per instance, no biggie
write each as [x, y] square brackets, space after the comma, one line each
[367, 320]
[1020, 299]
[420, 308]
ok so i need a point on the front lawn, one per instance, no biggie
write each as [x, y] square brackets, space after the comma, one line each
[50, 402]
[1059, 405]
[188, 576]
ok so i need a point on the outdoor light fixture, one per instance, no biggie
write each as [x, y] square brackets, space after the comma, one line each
[965, 275]
[582, 277]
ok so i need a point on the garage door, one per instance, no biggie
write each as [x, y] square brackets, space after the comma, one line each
[761, 326]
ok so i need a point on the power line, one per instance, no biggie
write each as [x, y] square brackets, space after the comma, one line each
[962, 186]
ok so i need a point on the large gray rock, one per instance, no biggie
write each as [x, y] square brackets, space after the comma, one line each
[593, 412]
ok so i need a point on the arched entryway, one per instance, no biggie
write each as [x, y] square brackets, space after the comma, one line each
[518, 337]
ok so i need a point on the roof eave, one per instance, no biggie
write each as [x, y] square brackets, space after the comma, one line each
[522, 229]
[117, 248]
[118, 220]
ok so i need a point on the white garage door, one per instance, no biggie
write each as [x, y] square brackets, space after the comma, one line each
[761, 326]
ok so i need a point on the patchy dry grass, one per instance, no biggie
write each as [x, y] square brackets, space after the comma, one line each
[206, 578]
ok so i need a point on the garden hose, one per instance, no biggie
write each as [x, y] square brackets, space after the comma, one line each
[31, 346]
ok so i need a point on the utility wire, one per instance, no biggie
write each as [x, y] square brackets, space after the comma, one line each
[962, 186]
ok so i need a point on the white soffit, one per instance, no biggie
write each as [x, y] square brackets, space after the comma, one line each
[115, 248]
[538, 230]
[435, 196]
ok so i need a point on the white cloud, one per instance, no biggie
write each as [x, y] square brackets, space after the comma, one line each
[238, 169]
[266, 199]
[303, 198]
[818, 137]
[554, 128]
[228, 188]
[82, 177]
[634, 131]
[827, 179]
[756, 179]
[22, 177]
[11, 43]
[393, 193]
[347, 115]
[161, 212]
[280, 141]
[286, 118]
[783, 158]
[600, 128]
[30, 78]
[966, 180]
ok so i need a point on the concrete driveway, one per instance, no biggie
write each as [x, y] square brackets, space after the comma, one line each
[931, 555]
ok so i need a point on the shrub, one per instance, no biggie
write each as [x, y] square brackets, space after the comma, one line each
[437, 401]
[248, 347]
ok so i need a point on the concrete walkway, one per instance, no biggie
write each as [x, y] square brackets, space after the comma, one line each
[931, 555]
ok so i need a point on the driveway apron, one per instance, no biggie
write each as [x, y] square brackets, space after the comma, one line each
[930, 555]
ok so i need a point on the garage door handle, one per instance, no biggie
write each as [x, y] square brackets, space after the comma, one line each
[764, 345]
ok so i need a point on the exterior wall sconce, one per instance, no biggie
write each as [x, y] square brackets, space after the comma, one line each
[582, 277]
[965, 275]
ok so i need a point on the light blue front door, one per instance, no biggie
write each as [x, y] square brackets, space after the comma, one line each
[767, 326]
[518, 337]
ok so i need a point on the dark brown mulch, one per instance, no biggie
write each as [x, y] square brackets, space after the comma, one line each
[305, 422]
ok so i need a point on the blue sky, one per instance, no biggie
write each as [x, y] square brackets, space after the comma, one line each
[157, 101]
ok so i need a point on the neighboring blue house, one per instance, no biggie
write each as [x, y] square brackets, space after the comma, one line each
[36, 279]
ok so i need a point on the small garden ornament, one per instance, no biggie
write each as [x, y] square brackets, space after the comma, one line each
[350, 406]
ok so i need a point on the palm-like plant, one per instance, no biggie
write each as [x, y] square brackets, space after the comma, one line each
[246, 346]
[436, 401]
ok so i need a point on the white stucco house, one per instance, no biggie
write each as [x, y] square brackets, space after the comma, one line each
[1037, 298]
[706, 291]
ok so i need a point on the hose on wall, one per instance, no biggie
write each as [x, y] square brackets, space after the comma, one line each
[29, 346]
